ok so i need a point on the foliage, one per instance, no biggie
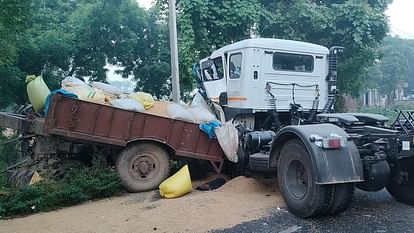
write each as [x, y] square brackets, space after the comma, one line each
[60, 38]
[12, 86]
[76, 187]
[153, 74]
[204, 26]
[9, 153]
[57, 38]
[357, 25]
[391, 111]
[108, 31]
[14, 16]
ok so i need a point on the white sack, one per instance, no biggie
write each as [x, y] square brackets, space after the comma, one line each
[128, 104]
[228, 138]
[180, 112]
[201, 115]
[107, 88]
[71, 83]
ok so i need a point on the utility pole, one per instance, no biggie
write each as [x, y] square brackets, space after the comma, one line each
[174, 52]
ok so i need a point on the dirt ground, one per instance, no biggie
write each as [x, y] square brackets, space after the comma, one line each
[239, 200]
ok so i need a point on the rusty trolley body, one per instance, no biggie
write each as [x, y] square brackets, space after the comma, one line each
[71, 122]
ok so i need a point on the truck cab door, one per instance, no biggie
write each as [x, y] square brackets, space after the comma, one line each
[212, 72]
[234, 80]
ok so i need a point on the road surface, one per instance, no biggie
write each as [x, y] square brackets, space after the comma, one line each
[242, 205]
[369, 212]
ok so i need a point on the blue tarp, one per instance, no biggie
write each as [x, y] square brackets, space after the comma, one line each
[59, 92]
[209, 127]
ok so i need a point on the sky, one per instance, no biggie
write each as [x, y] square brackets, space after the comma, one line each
[147, 3]
[400, 12]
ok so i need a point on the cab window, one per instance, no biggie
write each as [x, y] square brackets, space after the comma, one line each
[235, 65]
[293, 62]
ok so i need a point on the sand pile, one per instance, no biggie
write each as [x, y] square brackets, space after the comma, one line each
[239, 200]
[242, 184]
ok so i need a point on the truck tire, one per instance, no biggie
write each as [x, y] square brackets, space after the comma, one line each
[143, 166]
[402, 192]
[302, 196]
[341, 198]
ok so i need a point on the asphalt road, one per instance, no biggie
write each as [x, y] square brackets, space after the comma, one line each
[369, 212]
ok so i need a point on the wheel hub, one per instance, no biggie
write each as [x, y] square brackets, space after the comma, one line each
[143, 167]
[297, 179]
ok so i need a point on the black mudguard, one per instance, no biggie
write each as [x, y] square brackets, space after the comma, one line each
[332, 166]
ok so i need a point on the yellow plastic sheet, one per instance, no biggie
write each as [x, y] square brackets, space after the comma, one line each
[177, 185]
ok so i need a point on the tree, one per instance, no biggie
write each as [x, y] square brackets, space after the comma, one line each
[358, 25]
[80, 37]
[204, 26]
[112, 32]
[14, 18]
[76, 38]
[97, 32]
[394, 68]
[153, 74]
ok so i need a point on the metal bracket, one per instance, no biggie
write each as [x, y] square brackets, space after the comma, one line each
[218, 168]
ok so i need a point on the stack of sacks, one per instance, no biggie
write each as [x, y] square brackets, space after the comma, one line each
[108, 89]
[84, 91]
[103, 93]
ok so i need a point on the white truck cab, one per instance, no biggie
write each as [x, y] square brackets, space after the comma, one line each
[279, 95]
[243, 73]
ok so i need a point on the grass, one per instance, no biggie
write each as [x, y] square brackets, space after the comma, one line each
[76, 187]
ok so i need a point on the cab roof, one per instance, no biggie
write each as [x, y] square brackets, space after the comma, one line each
[273, 44]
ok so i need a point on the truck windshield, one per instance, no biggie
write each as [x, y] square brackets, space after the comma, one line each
[215, 71]
[293, 62]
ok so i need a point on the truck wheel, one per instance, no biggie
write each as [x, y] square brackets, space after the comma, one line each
[402, 191]
[143, 166]
[341, 197]
[302, 196]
